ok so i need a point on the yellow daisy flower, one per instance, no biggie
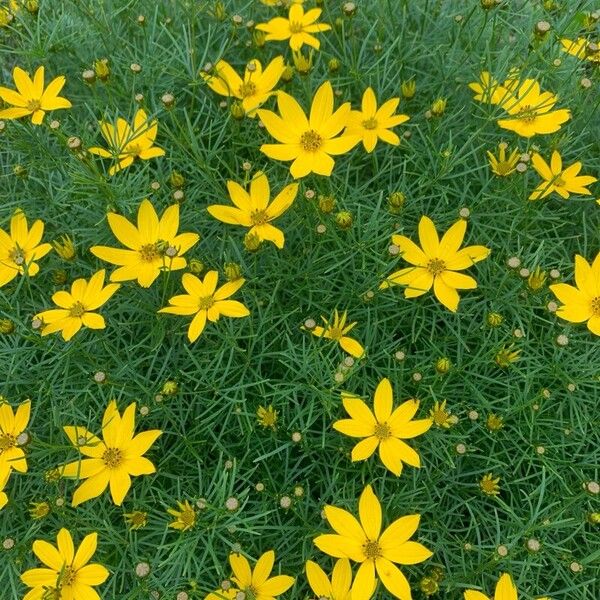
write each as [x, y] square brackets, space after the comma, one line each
[185, 517]
[76, 309]
[505, 590]
[267, 416]
[489, 485]
[337, 331]
[20, 249]
[556, 179]
[581, 302]
[340, 587]
[12, 426]
[31, 97]
[373, 124]
[436, 263]
[254, 209]
[111, 460]
[309, 142]
[206, 302]
[67, 571]
[256, 87]
[256, 583]
[4, 476]
[126, 144]
[153, 246]
[297, 28]
[580, 48]
[364, 543]
[503, 165]
[385, 428]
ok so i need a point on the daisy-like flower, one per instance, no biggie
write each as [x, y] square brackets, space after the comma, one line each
[4, 477]
[185, 516]
[581, 302]
[297, 28]
[580, 48]
[266, 416]
[337, 330]
[255, 209]
[385, 428]
[309, 142]
[436, 263]
[340, 587]
[556, 179]
[489, 485]
[372, 123]
[20, 249]
[256, 87]
[12, 427]
[206, 302]
[112, 460]
[153, 246]
[503, 165]
[67, 572]
[257, 583]
[76, 309]
[31, 97]
[136, 519]
[364, 543]
[532, 111]
[505, 590]
[125, 143]
[442, 416]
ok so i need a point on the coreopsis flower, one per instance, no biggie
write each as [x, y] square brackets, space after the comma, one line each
[31, 96]
[436, 263]
[581, 302]
[581, 49]
[340, 587]
[206, 302]
[505, 590]
[442, 416]
[503, 165]
[309, 142]
[257, 583]
[372, 123]
[136, 519]
[337, 330]
[185, 516]
[76, 309]
[255, 209]
[125, 143]
[67, 571]
[153, 246]
[297, 28]
[4, 477]
[532, 111]
[256, 87]
[12, 426]
[556, 179]
[506, 356]
[65, 247]
[489, 485]
[111, 460]
[21, 249]
[385, 428]
[364, 543]
[266, 416]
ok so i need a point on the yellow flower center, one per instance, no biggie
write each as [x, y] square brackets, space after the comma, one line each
[248, 88]
[133, 149]
[370, 123]
[382, 431]
[335, 333]
[33, 105]
[371, 549]
[559, 181]
[77, 310]
[17, 255]
[205, 302]
[68, 576]
[188, 517]
[113, 458]
[259, 217]
[7, 441]
[527, 113]
[150, 252]
[296, 27]
[596, 306]
[311, 141]
[138, 518]
[436, 266]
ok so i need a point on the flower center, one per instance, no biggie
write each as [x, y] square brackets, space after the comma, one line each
[382, 431]
[259, 217]
[33, 105]
[371, 549]
[296, 27]
[17, 256]
[133, 149]
[187, 517]
[559, 181]
[248, 88]
[527, 113]
[205, 302]
[150, 252]
[596, 306]
[311, 141]
[7, 441]
[68, 576]
[370, 123]
[77, 310]
[335, 333]
[436, 266]
[112, 457]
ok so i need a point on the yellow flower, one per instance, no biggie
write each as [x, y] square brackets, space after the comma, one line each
[373, 124]
[309, 142]
[65, 247]
[488, 90]
[385, 428]
[111, 460]
[340, 587]
[76, 309]
[4, 476]
[185, 517]
[436, 263]
[136, 519]
[206, 302]
[337, 331]
[266, 416]
[531, 110]
[503, 166]
[580, 48]
[364, 543]
[489, 485]
[556, 179]
[67, 571]
[297, 28]
[441, 416]
[12, 425]
[20, 250]
[505, 590]
[581, 302]
[254, 209]
[31, 98]
[256, 87]
[256, 583]
[494, 422]
[153, 246]
[126, 144]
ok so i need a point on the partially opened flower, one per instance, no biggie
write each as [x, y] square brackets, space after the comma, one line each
[255, 209]
[257, 583]
[503, 165]
[385, 428]
[436, 263]
[340, 587]
[336, 331]
[488, 90]
[12, 427]
[32, 97]
[505, 590]
[185, 516]
[112, 460]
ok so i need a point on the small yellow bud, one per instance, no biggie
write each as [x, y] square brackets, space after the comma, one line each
[438, 108]
[408, 89]
[494, 319]
[288, 73]
[59, 277]
[65, 247]
[102, 69]
[344, 219]
[536, 280]
[219, 11]
[258, 37]
[169, 388]
[237, 110]
[176, 179]
[326, 204]
[6, 326]
[442, 366]
[303, 63]
[334, 65]
[396, 202]
[252, 242]
[233, 271]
